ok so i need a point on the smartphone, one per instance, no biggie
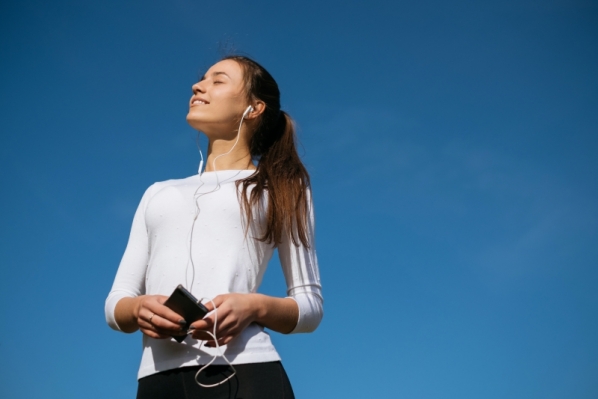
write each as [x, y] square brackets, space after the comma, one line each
[187, 306]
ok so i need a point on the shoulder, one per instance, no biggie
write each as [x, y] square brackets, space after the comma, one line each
[160, 186]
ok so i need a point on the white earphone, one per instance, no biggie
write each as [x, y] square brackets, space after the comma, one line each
[196, 196]
[247, 111]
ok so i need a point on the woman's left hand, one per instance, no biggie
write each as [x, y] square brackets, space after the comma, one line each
[235, 312]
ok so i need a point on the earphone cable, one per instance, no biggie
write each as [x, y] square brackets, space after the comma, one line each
[219, 350]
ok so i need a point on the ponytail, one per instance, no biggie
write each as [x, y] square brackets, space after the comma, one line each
[281, 173]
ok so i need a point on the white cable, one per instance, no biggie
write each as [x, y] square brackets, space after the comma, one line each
[213, 335]
[200, 163]
[248, 110]
[196, 196]
[200, 154]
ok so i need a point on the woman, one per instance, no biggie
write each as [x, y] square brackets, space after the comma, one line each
[214, 233]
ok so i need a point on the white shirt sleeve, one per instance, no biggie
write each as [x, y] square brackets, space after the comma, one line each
[300, 268]
[299, 264]
[130, 277]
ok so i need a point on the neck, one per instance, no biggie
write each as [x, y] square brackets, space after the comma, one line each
[228, 157]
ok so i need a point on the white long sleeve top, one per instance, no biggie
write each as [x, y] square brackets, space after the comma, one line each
[210, 256]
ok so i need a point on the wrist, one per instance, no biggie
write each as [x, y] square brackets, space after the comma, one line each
[259, 309]
[126, 314]
[137, 306]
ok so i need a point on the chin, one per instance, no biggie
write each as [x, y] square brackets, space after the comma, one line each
[193, 122]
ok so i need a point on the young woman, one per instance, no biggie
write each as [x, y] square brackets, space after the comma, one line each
[214, 233]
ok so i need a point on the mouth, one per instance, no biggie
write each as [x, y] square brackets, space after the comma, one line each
[198, 101]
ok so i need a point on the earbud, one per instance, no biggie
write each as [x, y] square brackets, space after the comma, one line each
[247, 111]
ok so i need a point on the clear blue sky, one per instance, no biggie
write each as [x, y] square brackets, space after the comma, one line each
[452, 148]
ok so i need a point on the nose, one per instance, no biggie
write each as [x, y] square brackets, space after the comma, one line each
[198, 88]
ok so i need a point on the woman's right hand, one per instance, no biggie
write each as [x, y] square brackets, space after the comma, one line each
[156, 320]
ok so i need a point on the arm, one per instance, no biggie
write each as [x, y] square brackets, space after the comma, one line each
[302, 275]
[147, 313]
[301, 311]
[127, 309]
[236, 311]
[277, 314]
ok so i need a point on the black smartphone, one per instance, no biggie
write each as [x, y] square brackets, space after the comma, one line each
[186, 305]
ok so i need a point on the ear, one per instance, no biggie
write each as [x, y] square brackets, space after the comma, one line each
[258, 108]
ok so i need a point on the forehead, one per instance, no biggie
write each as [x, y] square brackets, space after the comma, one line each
[229, 67]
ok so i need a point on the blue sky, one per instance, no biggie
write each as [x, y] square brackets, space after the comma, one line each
[452, 148]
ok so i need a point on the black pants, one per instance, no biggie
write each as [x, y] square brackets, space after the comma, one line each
[252, 381]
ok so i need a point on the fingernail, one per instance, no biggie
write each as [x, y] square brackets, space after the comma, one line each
[182, 322]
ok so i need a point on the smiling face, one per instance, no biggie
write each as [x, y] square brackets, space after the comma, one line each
[218, 99]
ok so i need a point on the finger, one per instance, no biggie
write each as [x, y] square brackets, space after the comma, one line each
[201, 325]
[220, 315]
[221, 341]
[218, 300]
[223, 333]
[226, 324]
[163, 324]
[156, 323]
[155, 305]
[161, 333]
[161, 299]
[207, 323]
[208, 305]
[201, 335]
[228, 339]
[166, 314]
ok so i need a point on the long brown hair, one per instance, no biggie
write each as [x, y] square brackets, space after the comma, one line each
[280, 171]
